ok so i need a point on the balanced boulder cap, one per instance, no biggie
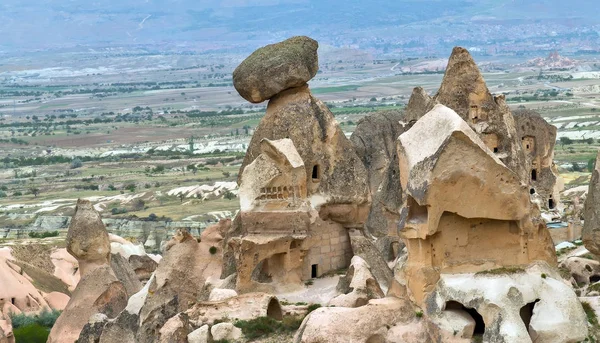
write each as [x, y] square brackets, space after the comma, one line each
[277, 67]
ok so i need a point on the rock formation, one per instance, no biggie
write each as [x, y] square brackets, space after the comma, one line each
[463, 208]
[275, 68]
[375, 143]
[591, 225]
[538, 139]
[466, 212]
[463, 89]
[302, 186]
[99, 290]
[510, 305]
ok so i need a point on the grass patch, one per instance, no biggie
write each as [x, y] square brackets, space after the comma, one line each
[589, 312]
[263, 326]
[501, 271]
[33, 333]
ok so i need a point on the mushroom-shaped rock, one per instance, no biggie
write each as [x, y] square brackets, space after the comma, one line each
[276, 67]
[87, 238]
[591, 225]
[99, 290]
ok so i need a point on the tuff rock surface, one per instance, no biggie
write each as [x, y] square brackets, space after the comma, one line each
[276, 67]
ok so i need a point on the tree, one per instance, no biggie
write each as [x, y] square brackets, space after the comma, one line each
[575, 166]
[591, 164]
[229, 195]
[76, 163]
[565, 141]
[589, 141]
[35, 191]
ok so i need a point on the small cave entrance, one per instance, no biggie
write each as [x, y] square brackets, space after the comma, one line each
[274, 310]
[314, 271]
[531, 191]
[526, 312]
[394, 251]
[417, 214]
[550, 203]
[12, 300]
[594, 278]
[316, 173]
[533, 175]
[479, 323]
[495, 149]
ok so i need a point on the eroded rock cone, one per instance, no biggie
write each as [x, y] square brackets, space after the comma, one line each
[276, 67]
[591, 225]
[464, 90]
[99, 290]
[330, 161]
[374, 141]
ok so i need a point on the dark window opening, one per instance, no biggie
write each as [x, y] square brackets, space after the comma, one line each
[594, 278]
[479, 323]
[12, 300]
[315, 172]
[527, 146]
[526, 313]
[550, 203]
[533, 174]
[313, 270]
[532, 191]
[496, 149]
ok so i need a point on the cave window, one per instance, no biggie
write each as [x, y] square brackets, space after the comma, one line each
[496, 149]
[594, 278]
[531, 191]
[526, 312]
[12, 300]
[550, 203]
[533, 174]
[316, 175]
[479, 323]
[474, 113]
[313, 270]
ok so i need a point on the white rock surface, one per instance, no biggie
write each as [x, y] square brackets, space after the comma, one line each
[557, 315]
[225, 331]
[200, 335]
[218, 294]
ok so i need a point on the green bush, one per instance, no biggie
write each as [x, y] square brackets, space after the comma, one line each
[45, 318]
[33, 333]
[263, 326]
[2, 194]
[43, 234]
